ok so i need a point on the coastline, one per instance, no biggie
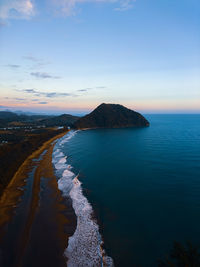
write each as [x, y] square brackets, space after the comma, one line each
[85, 246]
[10, 196]
[40, 225]
[114, 127]
[44, 187]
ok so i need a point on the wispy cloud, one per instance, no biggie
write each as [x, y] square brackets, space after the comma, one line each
[24, 100]
[84, 89]
[16, 9]
[54, 94]
[37, 63]
[91, 88]
[44, 75]
[14, 98]
[100, 87]
[68, 7]
[46, 94]
[17, 99]
[13, 66]
[25, 9]
[125, 5]
[30, 91]
[32, 58]
[42, 102]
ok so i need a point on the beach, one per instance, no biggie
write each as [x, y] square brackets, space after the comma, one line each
[35, 220]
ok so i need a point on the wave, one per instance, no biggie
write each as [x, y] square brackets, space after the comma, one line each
[85, 245]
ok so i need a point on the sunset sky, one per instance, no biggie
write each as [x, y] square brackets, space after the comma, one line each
[71, 55]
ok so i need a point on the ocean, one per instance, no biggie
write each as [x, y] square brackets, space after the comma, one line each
[134, 191]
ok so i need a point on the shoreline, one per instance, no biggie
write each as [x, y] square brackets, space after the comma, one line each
[8, 197]
[114, 127]
[45, 198]
[85, 246]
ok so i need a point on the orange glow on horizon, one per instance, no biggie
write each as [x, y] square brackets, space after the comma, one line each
[155, 106]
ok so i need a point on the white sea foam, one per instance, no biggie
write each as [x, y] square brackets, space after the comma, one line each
[85, 245]
[68, 137]
[57, 154]
[65, 182]
[60, 164]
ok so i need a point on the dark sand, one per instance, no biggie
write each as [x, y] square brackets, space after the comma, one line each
[35, 220]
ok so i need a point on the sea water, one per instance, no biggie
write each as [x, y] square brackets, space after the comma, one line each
[135, 189]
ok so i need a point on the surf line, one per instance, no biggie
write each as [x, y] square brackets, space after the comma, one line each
[85, 245]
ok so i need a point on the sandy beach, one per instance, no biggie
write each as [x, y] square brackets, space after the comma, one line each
[34, 210]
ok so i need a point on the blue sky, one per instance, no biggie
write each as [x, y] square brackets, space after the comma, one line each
[70, 56]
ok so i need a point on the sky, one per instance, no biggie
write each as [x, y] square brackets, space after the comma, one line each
[68, 56]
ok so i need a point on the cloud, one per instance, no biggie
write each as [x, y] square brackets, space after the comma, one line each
[46, 94]
[32, 58]
[43, 102]
[31, 91]
[25, 9]
[16, 9]
[24, 100]
[19, 99]
[68, 7]
[16, 98]
[91, 88]
[37, 62]
[100, 87]
[125, 5]
[44, 75]
[84, 90]
[13, 66]
[54, 94]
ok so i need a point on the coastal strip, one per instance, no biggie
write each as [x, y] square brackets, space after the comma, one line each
[85, 246]
[47, 208]
[13, 191]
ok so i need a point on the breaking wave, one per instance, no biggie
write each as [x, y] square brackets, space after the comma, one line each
[85, 245]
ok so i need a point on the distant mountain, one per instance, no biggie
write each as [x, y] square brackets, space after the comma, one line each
[8, 115]
[62, 120]
[8, 118]
[20, 112]
[111, 116]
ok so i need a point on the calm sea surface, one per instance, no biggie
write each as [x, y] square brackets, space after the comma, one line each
[143, 184]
